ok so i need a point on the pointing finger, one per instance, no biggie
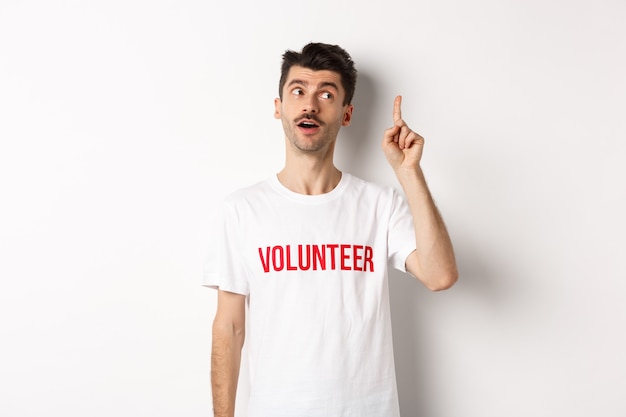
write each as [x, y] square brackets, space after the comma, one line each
[397, 112]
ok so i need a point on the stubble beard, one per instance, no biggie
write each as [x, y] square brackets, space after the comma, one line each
[306, 144]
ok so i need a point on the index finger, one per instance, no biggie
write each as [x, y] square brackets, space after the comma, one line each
[397, 112]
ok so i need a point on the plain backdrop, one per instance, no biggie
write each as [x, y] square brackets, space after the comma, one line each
[123, 124]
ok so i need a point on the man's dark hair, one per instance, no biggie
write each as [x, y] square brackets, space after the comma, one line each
[322, 56]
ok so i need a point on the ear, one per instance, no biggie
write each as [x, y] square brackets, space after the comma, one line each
[277, 106]
[347, 115]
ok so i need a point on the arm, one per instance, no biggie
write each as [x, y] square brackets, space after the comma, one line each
[433, 261]
[228, 338]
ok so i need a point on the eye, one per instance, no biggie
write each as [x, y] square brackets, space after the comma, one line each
[326, 95]
[297, 91]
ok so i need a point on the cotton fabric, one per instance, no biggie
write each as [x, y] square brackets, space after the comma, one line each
[314, 270]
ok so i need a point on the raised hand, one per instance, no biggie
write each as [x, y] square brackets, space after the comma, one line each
[402, 146]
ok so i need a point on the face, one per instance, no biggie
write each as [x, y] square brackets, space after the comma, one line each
[312, 110]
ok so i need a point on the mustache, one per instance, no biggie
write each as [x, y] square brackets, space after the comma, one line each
[309, 116]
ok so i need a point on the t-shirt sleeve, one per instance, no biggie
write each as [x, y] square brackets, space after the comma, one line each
[223, 270]
[401, 234]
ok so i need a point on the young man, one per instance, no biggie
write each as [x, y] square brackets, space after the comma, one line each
[307, 253]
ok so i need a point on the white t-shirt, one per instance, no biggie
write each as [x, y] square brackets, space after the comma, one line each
[314, 270]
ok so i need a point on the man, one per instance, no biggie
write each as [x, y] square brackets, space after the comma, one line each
[306, 252]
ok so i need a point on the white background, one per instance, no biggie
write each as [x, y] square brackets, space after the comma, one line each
[123, 123]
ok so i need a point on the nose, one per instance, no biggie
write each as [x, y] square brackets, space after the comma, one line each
[310, 105]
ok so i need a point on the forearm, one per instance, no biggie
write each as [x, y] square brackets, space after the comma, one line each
[433, 262]
[225, 363]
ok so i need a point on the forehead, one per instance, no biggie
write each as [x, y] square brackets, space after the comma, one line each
[312, 78]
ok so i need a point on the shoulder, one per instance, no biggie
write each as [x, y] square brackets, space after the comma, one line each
[386, 199]
[370, 188]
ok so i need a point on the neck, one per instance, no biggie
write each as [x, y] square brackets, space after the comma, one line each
[309, 176]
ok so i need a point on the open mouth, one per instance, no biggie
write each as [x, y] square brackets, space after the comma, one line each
[307, 125]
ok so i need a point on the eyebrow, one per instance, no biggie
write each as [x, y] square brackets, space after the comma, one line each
[322, 85]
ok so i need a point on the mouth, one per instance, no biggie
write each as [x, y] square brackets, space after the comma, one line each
[307, 124]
